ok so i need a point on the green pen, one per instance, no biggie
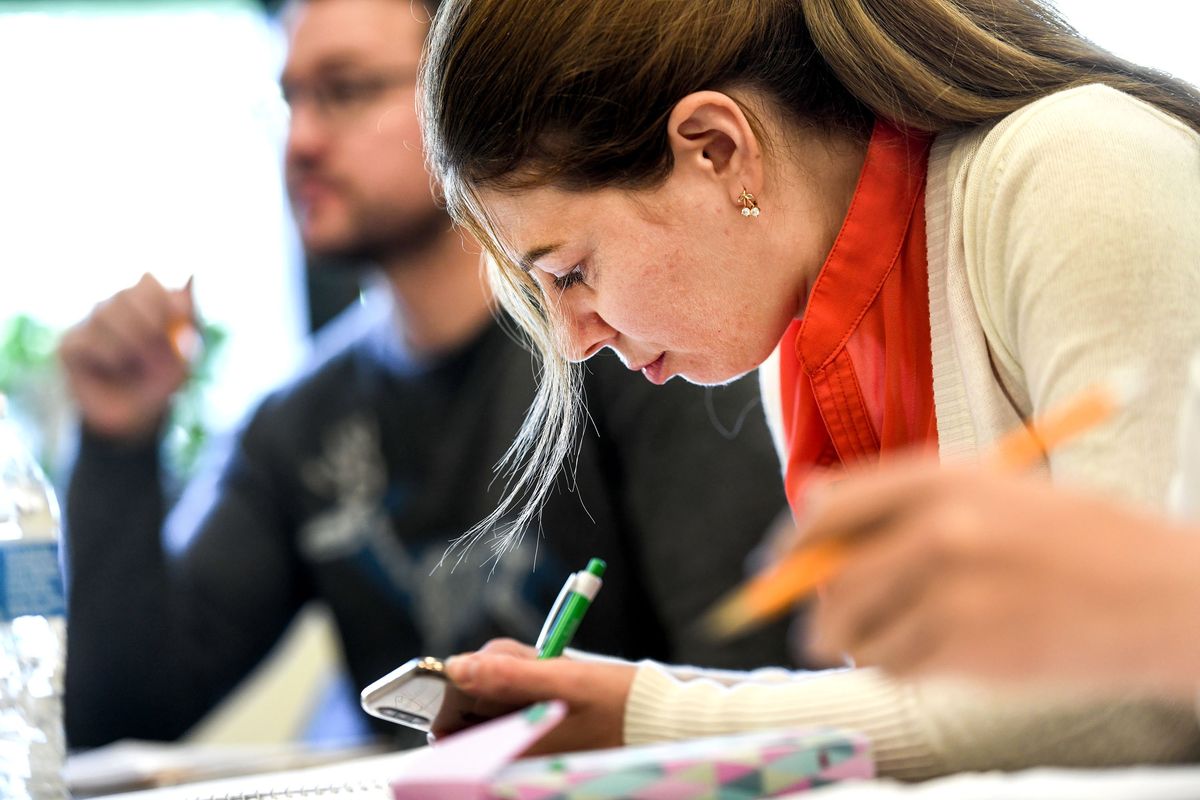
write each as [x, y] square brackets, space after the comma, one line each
[573, 602]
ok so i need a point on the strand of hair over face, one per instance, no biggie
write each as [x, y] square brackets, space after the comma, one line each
[531, 464]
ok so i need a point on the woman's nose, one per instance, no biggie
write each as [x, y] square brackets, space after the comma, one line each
[586, 334]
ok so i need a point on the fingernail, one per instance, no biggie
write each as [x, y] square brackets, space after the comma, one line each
[461, 669]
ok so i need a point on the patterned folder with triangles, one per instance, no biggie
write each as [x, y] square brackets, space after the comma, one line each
[736, 767]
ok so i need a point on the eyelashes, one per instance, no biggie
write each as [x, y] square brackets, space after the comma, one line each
[572, 278]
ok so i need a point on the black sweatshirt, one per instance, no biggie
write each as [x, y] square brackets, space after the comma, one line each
[346, 486]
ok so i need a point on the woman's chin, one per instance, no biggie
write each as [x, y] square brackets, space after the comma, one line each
[712, 376]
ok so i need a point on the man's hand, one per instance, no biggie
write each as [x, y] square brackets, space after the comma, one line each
[504, 676]
[126, 360]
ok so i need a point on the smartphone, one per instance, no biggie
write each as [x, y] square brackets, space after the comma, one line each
[411, 695]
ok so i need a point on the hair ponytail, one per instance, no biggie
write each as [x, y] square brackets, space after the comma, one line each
[934, 65]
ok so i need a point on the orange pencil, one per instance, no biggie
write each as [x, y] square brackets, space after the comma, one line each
[184, 338]
[182, 333]
[804, 569]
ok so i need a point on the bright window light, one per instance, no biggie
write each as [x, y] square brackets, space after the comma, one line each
[147, 137]
[1157, 33]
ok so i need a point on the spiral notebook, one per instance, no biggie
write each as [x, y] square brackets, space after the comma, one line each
[361, 779]
[481, 764]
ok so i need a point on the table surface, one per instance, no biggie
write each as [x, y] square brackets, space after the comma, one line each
[366, 779]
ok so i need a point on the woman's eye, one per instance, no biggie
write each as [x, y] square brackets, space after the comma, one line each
[564, 282]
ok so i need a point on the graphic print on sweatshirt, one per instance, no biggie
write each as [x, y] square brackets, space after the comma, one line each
[446, 604]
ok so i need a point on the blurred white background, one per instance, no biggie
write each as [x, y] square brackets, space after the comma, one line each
[147, 137]
[1158, 33]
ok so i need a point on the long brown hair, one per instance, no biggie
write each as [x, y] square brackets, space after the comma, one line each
[577, 93]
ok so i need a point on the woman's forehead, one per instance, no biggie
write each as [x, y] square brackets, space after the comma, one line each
[543, 217]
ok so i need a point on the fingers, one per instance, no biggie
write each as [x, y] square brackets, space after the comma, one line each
[879, 580]
[905, 646]
[507, 678]
[121, 363]
[461, 667]
[896, 571]
[865, 499]
[897, 627]
[111, 340]
[491, 682]
[509, 647]
[484, 684]
[122, 333]
[595, 694]
[462, 710]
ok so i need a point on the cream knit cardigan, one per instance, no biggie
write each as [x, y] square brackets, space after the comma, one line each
[1063, 242]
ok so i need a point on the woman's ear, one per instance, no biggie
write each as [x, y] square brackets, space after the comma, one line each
[709, 134]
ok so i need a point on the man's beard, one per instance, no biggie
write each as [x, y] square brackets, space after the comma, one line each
[384, 237]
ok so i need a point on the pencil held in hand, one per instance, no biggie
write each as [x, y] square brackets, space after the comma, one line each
[804, 569]
[182, 331]
[775, 588]
[1025, 446]
[185, 339]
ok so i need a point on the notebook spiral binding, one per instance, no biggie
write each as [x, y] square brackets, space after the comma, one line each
[349, 789]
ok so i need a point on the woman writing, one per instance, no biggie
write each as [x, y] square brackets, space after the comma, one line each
[926, 219]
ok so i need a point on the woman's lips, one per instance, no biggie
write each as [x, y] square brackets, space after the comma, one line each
[654, 371]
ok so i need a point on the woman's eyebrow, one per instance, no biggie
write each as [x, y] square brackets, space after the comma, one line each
[533, 255]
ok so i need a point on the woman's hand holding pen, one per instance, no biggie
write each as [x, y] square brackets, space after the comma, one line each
[505, 675]
[1007, 578]
[126, 360]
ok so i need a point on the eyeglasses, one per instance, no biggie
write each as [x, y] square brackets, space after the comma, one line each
[340, 100]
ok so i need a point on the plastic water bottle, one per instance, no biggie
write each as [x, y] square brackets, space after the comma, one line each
[32, 627]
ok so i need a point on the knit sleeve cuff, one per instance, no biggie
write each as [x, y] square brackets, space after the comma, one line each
[662, 707]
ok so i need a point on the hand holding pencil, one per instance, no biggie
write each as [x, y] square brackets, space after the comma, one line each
[880, 539]
[1010, 579]
[126, 360]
